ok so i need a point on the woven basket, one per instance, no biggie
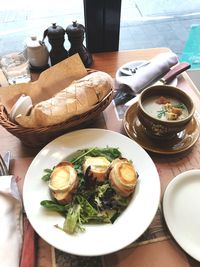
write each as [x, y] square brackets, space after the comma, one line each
[38, 137]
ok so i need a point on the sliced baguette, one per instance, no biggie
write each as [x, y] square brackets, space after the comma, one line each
[63, 182]
[123, 176]
[97, 167]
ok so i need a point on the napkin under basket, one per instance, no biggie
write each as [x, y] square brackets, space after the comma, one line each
[38, 137]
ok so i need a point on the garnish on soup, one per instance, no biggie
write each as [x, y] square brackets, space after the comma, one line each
[162, 100]
[165, 108]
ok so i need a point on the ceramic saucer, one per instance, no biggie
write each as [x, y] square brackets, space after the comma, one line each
[180, 143]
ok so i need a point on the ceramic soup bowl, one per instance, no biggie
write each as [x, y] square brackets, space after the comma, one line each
[164, 111]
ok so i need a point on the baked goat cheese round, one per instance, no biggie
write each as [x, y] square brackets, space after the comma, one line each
[96, 167]
[122, 176]
[63, 182]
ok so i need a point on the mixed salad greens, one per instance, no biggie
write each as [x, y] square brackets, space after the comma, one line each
[93, 202]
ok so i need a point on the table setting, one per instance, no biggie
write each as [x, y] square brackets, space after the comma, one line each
[147, 224]
[145, 73]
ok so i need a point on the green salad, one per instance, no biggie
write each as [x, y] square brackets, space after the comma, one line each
[93, 202]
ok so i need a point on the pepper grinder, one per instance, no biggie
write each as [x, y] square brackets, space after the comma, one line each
[56, 37]
[75, 32]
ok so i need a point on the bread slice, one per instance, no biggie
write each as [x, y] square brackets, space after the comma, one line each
[63, 182]
[123, 176]
[97, 167]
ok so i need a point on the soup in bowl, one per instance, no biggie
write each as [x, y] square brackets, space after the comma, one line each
[164, 110]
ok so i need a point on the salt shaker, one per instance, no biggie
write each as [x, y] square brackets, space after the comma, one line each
[56, 37]
[37, 53]
[75, 33]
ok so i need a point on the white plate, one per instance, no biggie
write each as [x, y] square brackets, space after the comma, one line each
[181, 206]
[97, 239]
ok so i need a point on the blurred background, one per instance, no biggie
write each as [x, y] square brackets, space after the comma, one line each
[144, 23]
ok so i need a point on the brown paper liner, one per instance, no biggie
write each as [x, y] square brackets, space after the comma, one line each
[48, 84]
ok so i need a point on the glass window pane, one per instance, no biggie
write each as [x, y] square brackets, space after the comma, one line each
[158, 23]
[21, 19]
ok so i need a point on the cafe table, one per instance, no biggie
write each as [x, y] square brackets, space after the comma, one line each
[155, 250]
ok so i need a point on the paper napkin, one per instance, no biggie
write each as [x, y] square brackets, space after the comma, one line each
[11, 232]
[145, 75]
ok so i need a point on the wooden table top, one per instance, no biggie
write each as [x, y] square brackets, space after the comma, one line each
[164, 252]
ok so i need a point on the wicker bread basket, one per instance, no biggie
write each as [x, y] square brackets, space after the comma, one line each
[38, 137]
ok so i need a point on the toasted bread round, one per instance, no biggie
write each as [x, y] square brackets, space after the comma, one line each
[122, 176]
[98, 167]
[63, 182]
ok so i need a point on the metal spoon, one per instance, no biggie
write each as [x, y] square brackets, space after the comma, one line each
[132, 71]
[3, 167]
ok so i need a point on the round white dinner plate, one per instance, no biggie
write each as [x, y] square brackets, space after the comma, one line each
[97, 239]
[181, 207]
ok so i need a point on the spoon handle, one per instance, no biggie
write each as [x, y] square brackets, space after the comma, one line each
[133, 70]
